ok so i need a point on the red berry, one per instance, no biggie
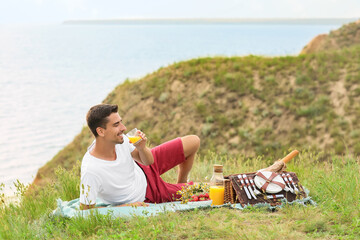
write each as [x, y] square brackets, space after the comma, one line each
[206, 195]
[196, 198]
[193, 196]
[201, 195]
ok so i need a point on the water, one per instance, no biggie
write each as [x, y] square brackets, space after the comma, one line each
[51, 75]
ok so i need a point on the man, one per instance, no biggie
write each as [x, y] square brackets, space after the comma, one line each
[124, 174]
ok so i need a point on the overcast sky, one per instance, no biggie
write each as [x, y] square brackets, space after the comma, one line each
[57, 11]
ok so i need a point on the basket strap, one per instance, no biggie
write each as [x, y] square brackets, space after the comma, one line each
[269, 180]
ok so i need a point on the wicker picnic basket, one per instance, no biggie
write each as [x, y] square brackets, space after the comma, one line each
[234, 192]
[229, 192]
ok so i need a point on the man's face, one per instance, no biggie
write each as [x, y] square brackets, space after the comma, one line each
[115, 129]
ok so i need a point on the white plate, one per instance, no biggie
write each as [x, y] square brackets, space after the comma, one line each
[201, 203]
[272, 187]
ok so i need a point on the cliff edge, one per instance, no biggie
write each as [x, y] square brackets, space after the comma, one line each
[348, 35]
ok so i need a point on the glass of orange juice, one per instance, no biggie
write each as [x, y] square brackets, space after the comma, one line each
[217, 195]
[133, 136]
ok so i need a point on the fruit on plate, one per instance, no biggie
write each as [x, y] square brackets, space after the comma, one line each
[200, 197]
[194, 193]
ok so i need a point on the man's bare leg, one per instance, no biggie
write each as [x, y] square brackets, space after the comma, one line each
[191, 144]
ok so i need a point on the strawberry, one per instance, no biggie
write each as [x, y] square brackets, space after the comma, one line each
[206, 195]
[196, 199]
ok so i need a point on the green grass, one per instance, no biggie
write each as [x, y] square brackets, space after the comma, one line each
[333, 182]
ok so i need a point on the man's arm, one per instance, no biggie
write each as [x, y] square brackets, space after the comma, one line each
[142, 154]
[135, 204]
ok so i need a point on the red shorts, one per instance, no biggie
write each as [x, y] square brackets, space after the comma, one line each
[166, 156]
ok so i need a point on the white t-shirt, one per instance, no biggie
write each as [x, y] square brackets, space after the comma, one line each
[115, 182]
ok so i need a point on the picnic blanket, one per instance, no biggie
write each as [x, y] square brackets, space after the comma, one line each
[71, 208]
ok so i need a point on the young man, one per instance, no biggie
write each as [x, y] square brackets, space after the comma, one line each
[124, 174]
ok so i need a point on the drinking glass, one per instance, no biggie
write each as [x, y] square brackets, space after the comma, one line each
[133, 136]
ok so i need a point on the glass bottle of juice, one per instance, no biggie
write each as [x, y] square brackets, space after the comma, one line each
[217, 186]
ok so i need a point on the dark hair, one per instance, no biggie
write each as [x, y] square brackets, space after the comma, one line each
[97, 116]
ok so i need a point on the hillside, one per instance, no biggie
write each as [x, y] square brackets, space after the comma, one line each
[242, 105]
[348, 35]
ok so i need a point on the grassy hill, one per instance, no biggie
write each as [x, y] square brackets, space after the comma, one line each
[243, 105]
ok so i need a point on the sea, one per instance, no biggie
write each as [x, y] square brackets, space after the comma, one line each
[50, 75]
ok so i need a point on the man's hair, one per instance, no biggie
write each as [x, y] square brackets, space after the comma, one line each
[98, 115]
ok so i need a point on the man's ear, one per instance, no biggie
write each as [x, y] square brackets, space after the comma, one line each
[100, 131]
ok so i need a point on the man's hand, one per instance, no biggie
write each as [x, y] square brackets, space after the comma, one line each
[142, 154]
[141, 144]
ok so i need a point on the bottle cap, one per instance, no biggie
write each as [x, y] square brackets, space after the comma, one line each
[218, 168]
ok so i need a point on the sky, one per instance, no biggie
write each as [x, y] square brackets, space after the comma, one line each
[57, 11]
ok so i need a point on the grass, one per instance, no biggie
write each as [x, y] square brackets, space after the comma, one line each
[333, 182]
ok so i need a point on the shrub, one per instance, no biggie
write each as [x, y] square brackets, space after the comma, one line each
[201, 108]
[357, 148]
[339, 146]
[302, 79]
[163, 97]
[270, 81]
[206, 129]
[234, 82]
[315, 109]
[355, 133]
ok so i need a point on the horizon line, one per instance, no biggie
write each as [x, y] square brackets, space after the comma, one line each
[207, 20]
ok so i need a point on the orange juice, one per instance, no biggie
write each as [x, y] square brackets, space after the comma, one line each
[217, 195]
[134, 139]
